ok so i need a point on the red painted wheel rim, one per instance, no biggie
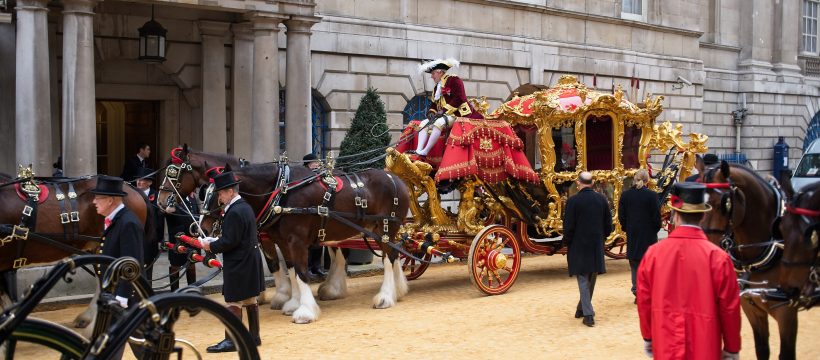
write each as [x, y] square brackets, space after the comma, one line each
[496, 260]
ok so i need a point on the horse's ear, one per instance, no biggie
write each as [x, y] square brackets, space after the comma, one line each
[202, 191]
[228, 167]
[185, 148]
[786, 184]
[206, 166]
[724, 169]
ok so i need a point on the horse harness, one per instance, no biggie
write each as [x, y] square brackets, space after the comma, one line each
[32, 194]
[773, 248]
[810, 218]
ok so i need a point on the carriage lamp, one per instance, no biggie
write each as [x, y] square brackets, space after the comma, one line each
[152, 41]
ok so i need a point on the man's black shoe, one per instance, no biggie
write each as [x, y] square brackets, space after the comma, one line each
[317, 274]
[223, 346]
[578, 314]
[589, 321]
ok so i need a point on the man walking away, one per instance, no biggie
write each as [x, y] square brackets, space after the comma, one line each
[587, 223]
[640, 217]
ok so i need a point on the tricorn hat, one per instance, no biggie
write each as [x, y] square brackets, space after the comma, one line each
[109, 186]
[225, 180]
[444, 64]
[310, 157]
[145, 173]
[689, 197]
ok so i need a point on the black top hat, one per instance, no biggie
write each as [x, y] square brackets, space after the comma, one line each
[310, 157]
[710, 159]
[225, 180]
[109, 186]
[145, 173]
[689, 197]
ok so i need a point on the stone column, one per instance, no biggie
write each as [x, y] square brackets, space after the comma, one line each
[242, 87]
[79, 95]
[265, 109]
[32, 105]
[786, 40]
[214, 107]
[298, 129]
[756, 37]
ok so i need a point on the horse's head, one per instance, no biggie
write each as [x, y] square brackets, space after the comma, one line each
[211, 209]
[800, 227]
[728, 202]
[184, 172]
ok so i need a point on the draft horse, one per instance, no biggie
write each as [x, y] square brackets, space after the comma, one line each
[298, 208]
[63, 221]
[800, 225]
[743, 221]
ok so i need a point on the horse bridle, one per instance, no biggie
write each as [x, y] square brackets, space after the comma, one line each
[810, 235]
[728, 193]
[174, 173]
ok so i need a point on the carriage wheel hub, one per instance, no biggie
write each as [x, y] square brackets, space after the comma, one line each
[496, 260]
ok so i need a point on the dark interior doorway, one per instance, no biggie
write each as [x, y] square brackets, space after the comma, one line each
[599, 143]
[121, 126]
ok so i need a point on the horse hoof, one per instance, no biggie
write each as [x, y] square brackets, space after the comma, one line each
[304, 315]
[383, 303]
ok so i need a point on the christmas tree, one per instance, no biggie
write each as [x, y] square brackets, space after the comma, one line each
[365, 141]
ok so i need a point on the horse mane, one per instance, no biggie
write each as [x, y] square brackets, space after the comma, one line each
[710, 175]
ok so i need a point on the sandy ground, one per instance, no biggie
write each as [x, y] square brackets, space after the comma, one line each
[443, 316]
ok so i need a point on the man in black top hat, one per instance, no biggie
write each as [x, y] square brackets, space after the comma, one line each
[243, 278]
[123, 234]
[144, 180]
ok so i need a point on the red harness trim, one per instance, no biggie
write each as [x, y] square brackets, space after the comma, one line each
[40, 198]
[339, 184]
[718, 185]
[216, 170]
[803, 211]
[174, 158]
[272, 195]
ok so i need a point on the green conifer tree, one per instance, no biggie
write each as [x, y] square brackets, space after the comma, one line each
[368, 132]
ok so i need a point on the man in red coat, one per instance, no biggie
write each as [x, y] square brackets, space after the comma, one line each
[449, 101]
[688, 297]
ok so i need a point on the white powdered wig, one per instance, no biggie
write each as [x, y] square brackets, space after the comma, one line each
[429, 65]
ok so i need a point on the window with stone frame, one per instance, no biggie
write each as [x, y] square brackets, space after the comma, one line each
[808, 27]
[634, 10]
[416, 108]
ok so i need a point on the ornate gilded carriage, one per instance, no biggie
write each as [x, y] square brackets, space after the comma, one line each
[567, 129]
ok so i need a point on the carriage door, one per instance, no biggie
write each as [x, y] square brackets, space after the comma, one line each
[599, 143]
[121, 125]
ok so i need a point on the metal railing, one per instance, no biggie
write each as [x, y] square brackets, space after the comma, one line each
[812, 67]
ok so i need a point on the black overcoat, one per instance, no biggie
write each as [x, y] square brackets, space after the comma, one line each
[180, 222]
[242, 265]
[151, 250]
[124, 237]
[587, 223]
[131, 167]
[640, 217]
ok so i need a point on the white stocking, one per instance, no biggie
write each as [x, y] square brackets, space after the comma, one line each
[431, 142]
[422, 140]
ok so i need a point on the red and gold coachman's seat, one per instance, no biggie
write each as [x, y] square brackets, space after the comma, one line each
[409, 141]
[488, 149]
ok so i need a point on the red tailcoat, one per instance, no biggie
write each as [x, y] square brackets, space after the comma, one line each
[453, 99]
[688, 297]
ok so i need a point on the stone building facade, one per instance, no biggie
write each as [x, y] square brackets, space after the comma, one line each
[227, 58]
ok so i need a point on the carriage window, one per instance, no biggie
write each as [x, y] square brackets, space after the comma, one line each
[565, 155]
[632, 142]
[599, 143]
[416, 108]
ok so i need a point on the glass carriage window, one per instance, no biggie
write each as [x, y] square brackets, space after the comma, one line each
[318, 123]
[566, 157]
[599, 143]
[809, 26]
[632, 142]
[416, 108]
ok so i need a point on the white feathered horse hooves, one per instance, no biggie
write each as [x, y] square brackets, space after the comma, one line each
[308, 311]
[394, 283]
[335, 287]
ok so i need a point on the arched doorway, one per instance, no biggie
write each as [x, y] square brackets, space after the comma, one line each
[416, 108]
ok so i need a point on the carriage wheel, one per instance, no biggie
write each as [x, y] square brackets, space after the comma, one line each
[66, 342]
[616, 249]
[413, 268]
[494, 260]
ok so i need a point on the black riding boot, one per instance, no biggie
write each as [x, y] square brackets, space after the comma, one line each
[253, 322]
[315, 269]
[226, 345]
[173, 277]
[190, 274]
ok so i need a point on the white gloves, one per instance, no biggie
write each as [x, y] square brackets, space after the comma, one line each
[729, 356]
[123, 301]
[647, 348]
[206, 240]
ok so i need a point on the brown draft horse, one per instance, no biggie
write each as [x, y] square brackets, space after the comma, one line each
[743, 222]
[800, 225]
[48, 224]
[295, 233]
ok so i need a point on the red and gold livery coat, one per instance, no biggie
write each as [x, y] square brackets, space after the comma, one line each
[453, 99]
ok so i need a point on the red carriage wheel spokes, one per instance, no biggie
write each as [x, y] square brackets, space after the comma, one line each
[494, 260]
[413, 268]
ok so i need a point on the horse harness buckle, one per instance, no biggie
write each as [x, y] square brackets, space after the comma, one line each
[27, 210]
[321, 235]
[20, 262]
[323, 211]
